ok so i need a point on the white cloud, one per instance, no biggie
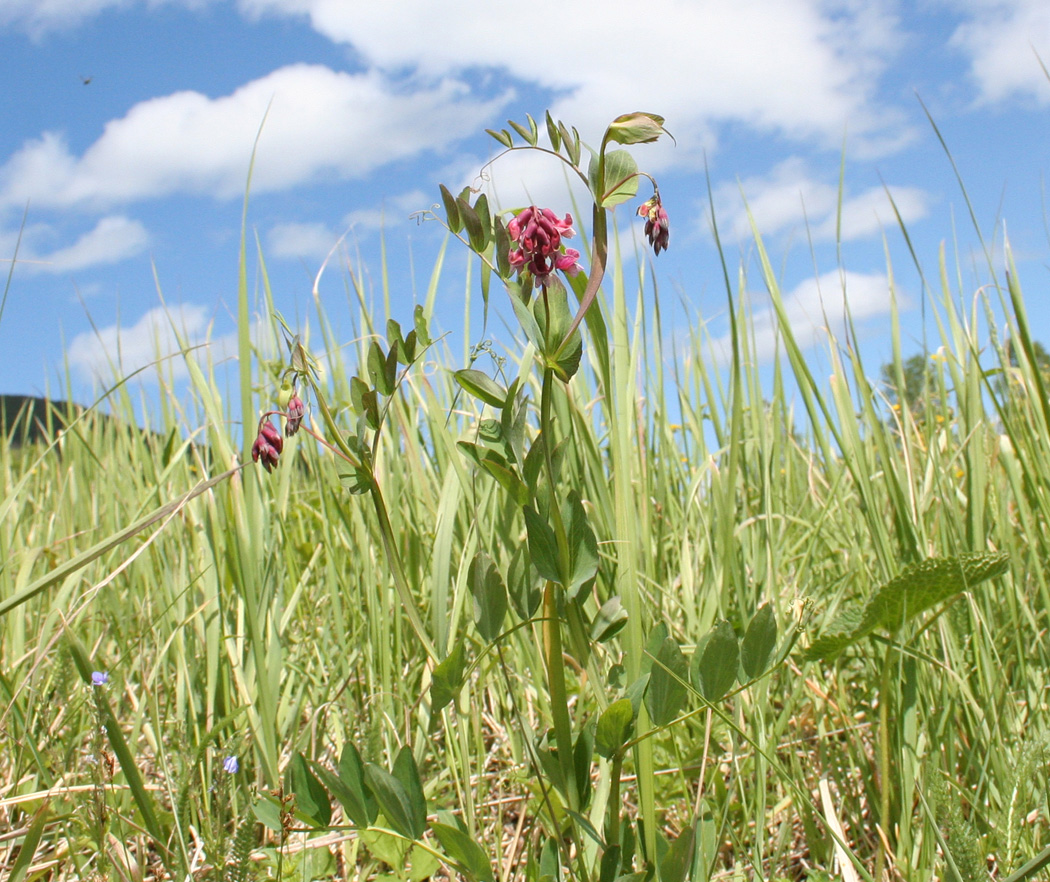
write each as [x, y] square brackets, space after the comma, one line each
[38, 17]
[313, 240]
[816, 308]
[317, 122]
[394, 210]
[116, 351]
[1002, 40]
[790, 198]
[804, 68]
[113, 239]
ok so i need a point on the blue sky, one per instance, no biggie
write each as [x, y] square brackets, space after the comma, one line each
[129, 125]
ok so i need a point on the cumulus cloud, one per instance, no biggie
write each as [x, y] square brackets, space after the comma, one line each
[38, 17]
[116, 351]
[113, 239]
[791, 199]
[803, 68]
[301, 240]
[317, 122]
[818, 307]
[1002, 39]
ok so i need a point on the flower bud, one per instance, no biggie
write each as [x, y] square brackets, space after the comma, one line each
[294, 411]
[268, 446]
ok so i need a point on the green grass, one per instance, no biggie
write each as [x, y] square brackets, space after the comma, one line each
[259, 618]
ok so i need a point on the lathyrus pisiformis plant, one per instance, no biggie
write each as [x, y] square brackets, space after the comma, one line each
[546, 568]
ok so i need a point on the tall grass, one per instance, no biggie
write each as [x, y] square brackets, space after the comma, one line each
[259, 619]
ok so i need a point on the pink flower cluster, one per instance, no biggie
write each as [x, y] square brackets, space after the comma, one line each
[268, 445]
[657, 224]
[538, 234]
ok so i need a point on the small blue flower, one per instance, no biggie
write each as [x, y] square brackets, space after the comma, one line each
[231, 765]
[99, 678]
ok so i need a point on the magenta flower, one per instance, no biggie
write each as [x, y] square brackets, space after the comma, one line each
[295, 413]
[538, 234]
[657, 225]
[268, 445]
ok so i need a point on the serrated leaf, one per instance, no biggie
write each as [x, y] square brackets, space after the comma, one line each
[503, 136]
[311, 798]
[715, 662]
[543, 547]
[915, 590]
[760, 639]
[667, 683]
[614, 727]
[481, 386]
[472, 860]
[447, 679]
[455, 222]
[490, 596]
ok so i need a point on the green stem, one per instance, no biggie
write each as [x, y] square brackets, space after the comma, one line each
[612, 832]
[559, 697]
[884, 764]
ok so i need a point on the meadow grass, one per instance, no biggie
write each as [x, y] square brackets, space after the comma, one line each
[258, 619]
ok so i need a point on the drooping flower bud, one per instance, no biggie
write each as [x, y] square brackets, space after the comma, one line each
[268, 445]
[657, 224]
[294, 412]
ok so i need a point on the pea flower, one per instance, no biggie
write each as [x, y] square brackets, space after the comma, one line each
[268, 445]
[538, 234]
[99, 678]
[657, 225]
[295, 412]
[230, 765]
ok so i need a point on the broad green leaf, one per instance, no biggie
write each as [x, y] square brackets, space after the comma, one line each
[525, 592]
[527, 322]
[715, 662]
[667, 683]
[346, 797]
[506, 477]
[420, 321]
[490, 596]
[406, 771]
[582, 752]
[352, 774]
[392, 798]
[759, 641]
[583, 547]
[455, 222]
[475, 232]
[543, 547]
[915, 590]
[268, 811]
[609, 621]
[358, 390]
[377, 369]
[652, 646]
[447, 678]
[635, 128]
[614, 727]
[621, 178]
[472, 860]
[481, 386]
[311, 798]
[678, 861]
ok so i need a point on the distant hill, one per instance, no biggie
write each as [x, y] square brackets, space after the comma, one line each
[26, 419]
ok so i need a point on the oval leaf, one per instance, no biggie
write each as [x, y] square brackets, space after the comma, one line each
[482, 387]
[614, 727]
[667, 683]
[759, 641]
[715, 662]
[473, 862]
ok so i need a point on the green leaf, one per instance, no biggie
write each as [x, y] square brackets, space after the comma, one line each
[268, 811]
[667, 683]
[528, 135]
[572, 143]
[759, 641]
[621, 179]
[522, 585]
[915, 590]
[636, 128]
[609, 621]
[490, 596]
[528, 322]
[503, 136]
[311, 798]
[420, 321]
[406, 771]
[583, 547]
[447, 678]
[377, 371]
[363, 809]
[502, 247]
[678, 861]
[335, 786]
[652, 646]
[614, 727]
[481, 209]
[582, 752]
[506, 477]
[553, 133]
[472, 861]
[543, 547]
[475, 231]
[455, 222]
[715, 662]
[481, 386]
[29, 845]
[393, 800]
